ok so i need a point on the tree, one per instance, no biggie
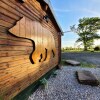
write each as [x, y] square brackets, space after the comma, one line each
[87, 30]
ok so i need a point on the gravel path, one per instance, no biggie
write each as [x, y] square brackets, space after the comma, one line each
[88, 57]
[66, 87]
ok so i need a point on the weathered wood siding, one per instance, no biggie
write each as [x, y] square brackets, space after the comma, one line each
[24, 36]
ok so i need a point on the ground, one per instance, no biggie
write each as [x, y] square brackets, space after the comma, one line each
[89, 57]
[66, 87]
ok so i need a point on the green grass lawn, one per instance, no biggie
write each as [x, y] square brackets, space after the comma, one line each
[83, 64]
[79, 51]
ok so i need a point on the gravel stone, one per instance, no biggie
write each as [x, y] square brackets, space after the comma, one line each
[66, 87]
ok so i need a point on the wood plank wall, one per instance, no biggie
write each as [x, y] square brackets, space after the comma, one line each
[16, 70]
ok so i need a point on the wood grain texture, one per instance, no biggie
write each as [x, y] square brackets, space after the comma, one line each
[42, 38]
[25, 38]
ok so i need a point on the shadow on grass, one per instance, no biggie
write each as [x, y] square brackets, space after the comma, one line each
[83, 64]
[63, 62]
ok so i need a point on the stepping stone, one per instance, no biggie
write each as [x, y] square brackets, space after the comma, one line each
[87, 78]
[73, 62]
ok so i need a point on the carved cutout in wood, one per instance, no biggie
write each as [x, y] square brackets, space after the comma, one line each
[41, 37]
[53, 53]
[40, 58]
[45, 54]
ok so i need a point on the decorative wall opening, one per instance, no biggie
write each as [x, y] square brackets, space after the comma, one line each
[53, 53]
[45, 54]
[41, 56]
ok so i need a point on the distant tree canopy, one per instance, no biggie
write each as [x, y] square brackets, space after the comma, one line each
[87, 30]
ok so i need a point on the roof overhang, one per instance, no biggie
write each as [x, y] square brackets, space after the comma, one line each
[51, 9]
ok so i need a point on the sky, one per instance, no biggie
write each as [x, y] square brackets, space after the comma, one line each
[68, 12]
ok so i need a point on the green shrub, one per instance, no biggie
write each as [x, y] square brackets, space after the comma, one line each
[88, 65]
[97, 48]
[44, 83]
[54, 73]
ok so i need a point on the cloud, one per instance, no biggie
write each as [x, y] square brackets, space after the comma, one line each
[90, 11]
[62, 10]
[84, 10]
[68, 43]
[96, 1]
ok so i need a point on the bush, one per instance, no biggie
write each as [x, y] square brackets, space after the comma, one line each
[97, 48]
[44, 83]
[54, 73]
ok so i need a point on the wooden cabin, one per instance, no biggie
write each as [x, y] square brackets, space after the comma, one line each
[30, 44]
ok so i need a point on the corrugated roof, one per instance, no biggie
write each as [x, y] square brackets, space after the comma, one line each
[49, 4]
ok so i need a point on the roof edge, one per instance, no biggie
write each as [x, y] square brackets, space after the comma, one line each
[51, 9]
